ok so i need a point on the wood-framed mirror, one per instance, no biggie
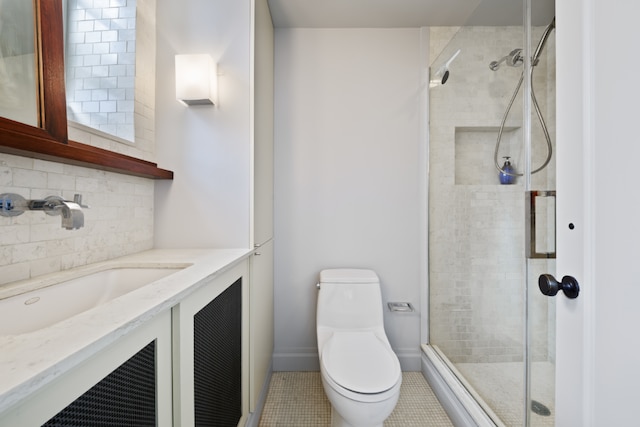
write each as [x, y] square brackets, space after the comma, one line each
[49, 140]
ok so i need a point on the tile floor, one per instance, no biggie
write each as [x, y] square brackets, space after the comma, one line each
[296, 399]
[501, 386]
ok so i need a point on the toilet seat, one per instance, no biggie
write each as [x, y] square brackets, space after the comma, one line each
[361, 362]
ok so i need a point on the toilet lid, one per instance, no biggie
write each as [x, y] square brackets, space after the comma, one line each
[348, 275]
[360, 362]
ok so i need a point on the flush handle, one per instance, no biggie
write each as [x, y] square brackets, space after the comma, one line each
[549, 286]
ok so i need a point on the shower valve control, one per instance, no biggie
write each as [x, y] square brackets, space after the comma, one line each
[550, 286]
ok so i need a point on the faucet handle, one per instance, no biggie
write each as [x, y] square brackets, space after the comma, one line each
[12, 204]
[77, 199]
[51, 205]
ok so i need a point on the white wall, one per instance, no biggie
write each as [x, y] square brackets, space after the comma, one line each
[347, 183]
[600, 122]
[208, 148]
[597, 371]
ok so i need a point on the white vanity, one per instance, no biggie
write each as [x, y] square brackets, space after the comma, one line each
[46, 369]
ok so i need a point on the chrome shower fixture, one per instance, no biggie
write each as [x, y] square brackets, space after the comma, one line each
[441, 76]
[513, 59]
[12, 204]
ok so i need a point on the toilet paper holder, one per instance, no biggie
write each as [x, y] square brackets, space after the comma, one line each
[401, 307]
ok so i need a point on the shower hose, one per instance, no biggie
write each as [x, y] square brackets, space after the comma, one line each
[536, 56]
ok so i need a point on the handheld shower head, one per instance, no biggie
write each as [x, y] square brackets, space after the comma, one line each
[515, 58]
[543, 40]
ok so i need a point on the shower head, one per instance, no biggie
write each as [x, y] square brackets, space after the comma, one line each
[513, 59]
[441, 76]
[543, 40]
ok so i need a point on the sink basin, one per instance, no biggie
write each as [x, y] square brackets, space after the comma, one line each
[37, 309]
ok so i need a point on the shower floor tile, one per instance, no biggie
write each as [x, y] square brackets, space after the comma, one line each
[296, 399]
[501, 386]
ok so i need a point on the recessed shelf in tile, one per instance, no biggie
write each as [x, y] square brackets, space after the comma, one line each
[474, 153]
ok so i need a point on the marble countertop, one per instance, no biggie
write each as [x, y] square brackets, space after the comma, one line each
[31, 360]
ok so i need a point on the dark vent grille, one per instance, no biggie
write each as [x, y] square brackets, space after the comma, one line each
[217, 360]
[125, 397]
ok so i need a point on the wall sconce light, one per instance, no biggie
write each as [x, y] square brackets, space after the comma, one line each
[196, 80]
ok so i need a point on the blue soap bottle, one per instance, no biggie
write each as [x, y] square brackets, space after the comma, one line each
[507, 174]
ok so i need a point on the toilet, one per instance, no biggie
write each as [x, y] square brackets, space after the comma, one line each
[361, 374]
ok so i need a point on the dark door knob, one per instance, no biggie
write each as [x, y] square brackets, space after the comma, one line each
[549, 286]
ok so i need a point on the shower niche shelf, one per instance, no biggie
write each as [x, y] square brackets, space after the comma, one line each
[474, 148]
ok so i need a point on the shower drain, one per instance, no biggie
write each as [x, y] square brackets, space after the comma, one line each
[540, 409]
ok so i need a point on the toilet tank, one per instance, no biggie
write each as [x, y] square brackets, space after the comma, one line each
[349, 299]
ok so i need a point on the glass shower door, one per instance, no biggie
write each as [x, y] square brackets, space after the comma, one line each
[487, 319]
[477, 267]
[540, 209]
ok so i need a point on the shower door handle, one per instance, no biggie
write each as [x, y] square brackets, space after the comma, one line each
[549, 286]
[539, 222]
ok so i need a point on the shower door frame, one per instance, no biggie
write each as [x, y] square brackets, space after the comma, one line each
[453, 381]
[575, 319]
[579, 402]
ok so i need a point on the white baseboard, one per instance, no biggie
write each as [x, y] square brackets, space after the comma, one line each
[296, 361]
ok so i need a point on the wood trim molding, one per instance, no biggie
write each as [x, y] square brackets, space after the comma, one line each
[50, 140]
[75, 153]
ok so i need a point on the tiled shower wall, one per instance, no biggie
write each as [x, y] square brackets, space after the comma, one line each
[476, 225]
[119, 220]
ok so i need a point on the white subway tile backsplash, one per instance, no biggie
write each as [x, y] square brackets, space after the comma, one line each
[109, 59]
[25, 252]
[127, 12]
[99, 71]
[13, 234]
[101, 24]
[77, 15]
[110, 36]
[99, 95]
[100, 48]
[118, 222]
[45, 265]
[99, 119]
[29, 178]
[89, 37]
[15, 272]
[90, 107]
[118, 47]
[85, 26]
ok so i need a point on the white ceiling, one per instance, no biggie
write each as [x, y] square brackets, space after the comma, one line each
[404, 13]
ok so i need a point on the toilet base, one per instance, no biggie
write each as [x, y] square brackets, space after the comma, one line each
[346, 412]
[338, 421]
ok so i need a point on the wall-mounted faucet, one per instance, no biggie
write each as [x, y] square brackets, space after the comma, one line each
[12, 204]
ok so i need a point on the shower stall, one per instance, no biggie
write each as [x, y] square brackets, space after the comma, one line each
[492, 217]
